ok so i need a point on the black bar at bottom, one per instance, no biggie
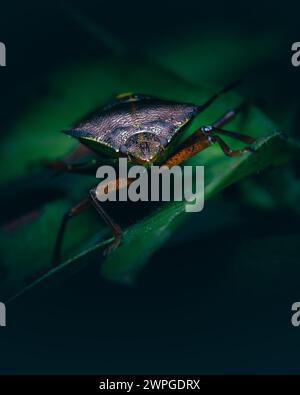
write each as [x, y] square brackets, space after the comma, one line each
[131, 384]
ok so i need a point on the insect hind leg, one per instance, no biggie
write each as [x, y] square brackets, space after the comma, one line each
[74, 211]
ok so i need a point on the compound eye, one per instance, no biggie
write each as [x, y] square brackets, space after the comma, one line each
[123, 149]
[163, 142]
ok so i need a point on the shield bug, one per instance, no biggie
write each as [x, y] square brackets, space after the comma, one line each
[141, 128]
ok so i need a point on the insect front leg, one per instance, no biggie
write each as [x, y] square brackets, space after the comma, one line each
[215, 129]
[226, 118]
[227, 150]
[207, 135]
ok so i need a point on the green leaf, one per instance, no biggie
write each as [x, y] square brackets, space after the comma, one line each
[142, 239]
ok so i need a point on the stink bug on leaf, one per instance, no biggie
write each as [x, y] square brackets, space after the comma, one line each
[140, 128]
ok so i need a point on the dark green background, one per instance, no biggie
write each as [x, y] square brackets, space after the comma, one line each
[220, 301]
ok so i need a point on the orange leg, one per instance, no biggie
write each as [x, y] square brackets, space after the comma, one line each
[194, 144]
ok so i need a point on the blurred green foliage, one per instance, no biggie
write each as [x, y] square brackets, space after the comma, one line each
[34, 136]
